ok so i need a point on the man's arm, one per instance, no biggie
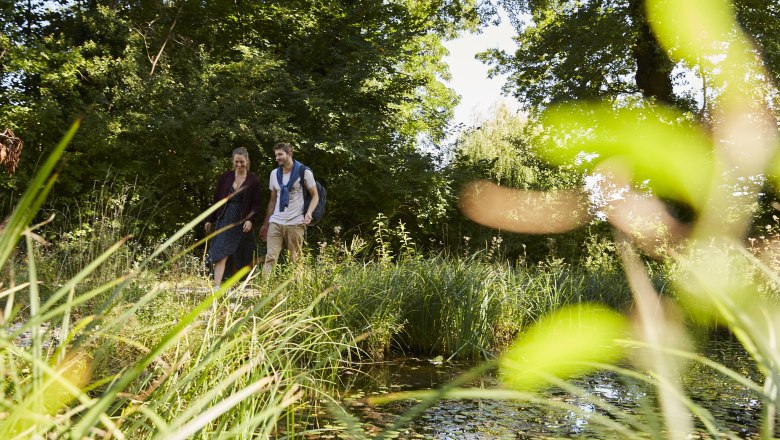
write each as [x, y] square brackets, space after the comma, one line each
[269, 211]
[315, 198]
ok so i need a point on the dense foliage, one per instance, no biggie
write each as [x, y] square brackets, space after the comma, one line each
[605, 51]
[167, 89]
[571, 50]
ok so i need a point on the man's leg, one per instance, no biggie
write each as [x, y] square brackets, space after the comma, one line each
[294, 241]
[294, 238]
[274, 245]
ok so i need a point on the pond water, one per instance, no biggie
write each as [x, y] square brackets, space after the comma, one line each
[734, 408]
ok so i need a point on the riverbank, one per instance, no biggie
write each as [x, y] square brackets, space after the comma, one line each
[149, 352]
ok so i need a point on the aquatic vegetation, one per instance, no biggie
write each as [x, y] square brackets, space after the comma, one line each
[654, 152]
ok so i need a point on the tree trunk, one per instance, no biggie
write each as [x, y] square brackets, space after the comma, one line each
[653, 66]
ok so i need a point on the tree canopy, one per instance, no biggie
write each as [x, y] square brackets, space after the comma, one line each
[573, 49]
[166, 89]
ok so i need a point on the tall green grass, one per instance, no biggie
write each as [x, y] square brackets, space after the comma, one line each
[450, 306]
[127, 342]
[148, 361]
[139, 358]
[715, 277]
[109, 213]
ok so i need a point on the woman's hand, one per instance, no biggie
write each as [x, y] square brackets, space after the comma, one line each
[247, 226]
[207, 227]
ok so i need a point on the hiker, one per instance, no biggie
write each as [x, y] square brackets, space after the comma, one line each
[234, 247]
[285, 222]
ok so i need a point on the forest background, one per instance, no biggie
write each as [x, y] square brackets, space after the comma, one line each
[116, 336]
[165, 90]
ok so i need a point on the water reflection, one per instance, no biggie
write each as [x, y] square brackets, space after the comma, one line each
[735, 408]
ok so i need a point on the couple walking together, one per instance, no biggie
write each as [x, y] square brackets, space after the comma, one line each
[284, 224]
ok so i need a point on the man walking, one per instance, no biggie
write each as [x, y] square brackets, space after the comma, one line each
[285, 222]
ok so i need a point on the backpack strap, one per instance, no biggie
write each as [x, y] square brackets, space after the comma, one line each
[306, 196]
[303, 175]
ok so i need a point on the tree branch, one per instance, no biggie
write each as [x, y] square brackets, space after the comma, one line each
[167, 37]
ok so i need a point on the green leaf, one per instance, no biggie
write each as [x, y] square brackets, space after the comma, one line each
[655, 146]
[562, 345]
[694, 28]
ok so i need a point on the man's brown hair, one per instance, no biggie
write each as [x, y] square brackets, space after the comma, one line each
[286, 146]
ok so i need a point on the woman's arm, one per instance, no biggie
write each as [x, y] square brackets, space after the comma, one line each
[253, 202]
[256, 199]
[220, 193]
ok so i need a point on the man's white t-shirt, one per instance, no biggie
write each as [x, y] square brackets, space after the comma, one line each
[293, 213]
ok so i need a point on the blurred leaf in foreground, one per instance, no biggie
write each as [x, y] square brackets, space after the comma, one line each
[563, 345]
[693, 28]
[656, 146]
[61, 385]
[531, 212]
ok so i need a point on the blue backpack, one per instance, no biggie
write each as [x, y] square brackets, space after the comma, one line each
[297, 173]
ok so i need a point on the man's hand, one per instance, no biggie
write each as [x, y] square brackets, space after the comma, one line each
[307, 219]
[247, 226]
[207, 227]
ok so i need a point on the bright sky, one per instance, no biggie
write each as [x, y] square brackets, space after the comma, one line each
[470, 77]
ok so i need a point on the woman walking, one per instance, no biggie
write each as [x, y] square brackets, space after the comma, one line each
[235, 245]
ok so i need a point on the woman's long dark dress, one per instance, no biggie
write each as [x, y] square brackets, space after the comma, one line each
[233, 243]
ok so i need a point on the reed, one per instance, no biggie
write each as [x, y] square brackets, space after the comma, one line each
[148, 361]
[712, 275]
[455, 307]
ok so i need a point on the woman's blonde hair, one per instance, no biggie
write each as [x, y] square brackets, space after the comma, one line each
[242, 151]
